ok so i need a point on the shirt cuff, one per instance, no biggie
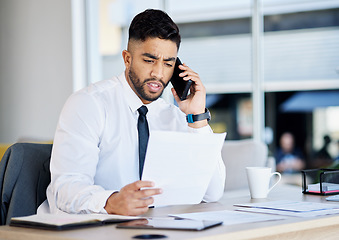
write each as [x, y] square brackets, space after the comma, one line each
[101, 201]
[206, 129]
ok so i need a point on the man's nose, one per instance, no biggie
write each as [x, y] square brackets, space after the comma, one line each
[158, 71]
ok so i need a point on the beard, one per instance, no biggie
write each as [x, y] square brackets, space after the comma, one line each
[140, 87]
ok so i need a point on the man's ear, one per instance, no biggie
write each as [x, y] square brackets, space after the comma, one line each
[126, 55]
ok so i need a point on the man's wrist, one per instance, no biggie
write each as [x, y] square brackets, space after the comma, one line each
[204, 129]
[198, 124]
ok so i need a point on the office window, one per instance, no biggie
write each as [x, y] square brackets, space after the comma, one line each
[300, 45]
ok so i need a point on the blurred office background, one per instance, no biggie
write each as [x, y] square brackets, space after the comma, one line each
[51, 48]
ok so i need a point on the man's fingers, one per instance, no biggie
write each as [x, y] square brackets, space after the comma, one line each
[138, 185]
[139, 211]
[133, 199]
[143, 184]
[144, 202]
[139, 190]
[146, 193]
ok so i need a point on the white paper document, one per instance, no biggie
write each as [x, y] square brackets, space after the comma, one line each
[228, 217]
[333, 198]
[291, 208]
[182, 164]
[286, 205]
[291, 213]
[326, 186]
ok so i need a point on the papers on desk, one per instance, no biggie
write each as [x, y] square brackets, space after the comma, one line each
[326, 187]
[67, 221]
[290, 208]
[228, 217]
[333, 198]
[182, 164]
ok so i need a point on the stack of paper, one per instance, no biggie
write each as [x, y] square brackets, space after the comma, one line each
[333, 198]
[326, 187]
[290, 208]
[228, 217]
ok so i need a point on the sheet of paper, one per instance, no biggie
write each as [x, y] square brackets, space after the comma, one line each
[229, 217]
[333, 198]
[293, 206]
[182, 164]
[291, 213]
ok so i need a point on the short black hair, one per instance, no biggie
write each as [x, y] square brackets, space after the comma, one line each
[154, 23]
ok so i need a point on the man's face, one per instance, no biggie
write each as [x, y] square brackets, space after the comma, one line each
[149, 67]
[287, 143]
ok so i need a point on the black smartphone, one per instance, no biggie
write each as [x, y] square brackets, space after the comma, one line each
[181, 86]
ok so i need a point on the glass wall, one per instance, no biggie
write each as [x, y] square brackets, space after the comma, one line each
[300, 55]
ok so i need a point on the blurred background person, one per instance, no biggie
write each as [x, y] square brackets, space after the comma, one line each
[289, 159]
[322, 158]
[335, 163]
[336, 160]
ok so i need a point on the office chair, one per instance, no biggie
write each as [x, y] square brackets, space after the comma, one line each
[24, 177]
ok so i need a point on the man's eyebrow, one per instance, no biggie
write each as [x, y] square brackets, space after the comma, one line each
[170, 59]
[156, 58]
[150, 56]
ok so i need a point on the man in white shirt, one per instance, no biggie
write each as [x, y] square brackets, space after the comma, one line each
[95, 157]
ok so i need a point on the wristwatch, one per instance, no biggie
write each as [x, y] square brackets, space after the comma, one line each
[191, 118]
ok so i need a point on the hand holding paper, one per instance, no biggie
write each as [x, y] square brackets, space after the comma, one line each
[131, 200]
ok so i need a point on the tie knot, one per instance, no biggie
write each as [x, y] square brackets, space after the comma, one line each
[143, 110]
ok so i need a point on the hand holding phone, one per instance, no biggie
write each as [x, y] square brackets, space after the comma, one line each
[179, 84]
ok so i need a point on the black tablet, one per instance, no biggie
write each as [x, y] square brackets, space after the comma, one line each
[169, 224]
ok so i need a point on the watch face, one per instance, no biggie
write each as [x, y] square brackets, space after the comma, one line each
[209, 115]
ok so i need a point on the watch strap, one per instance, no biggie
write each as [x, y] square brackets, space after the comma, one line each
[191, 118]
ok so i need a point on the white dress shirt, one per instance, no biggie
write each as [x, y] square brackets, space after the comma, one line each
[95, 150]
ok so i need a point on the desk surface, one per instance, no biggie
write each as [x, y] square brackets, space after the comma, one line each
[290, 228]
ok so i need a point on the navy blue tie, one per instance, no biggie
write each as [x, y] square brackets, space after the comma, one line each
[143, 133]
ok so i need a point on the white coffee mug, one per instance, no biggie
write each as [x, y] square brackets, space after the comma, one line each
[259, 181]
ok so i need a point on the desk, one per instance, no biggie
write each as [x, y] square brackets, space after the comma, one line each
[291, 228]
